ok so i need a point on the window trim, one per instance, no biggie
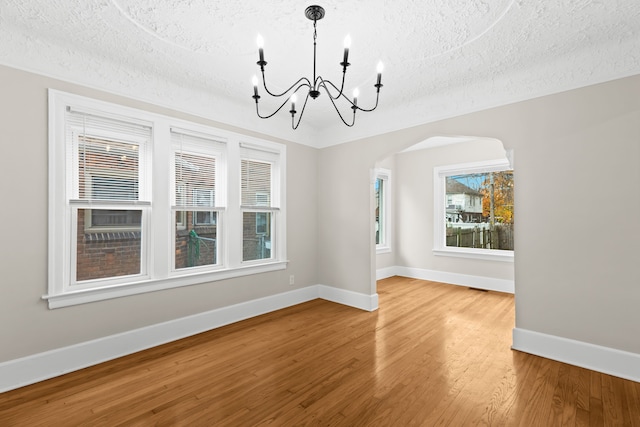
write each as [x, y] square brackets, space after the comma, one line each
[439, 195]
[387, 194]
[158, 212]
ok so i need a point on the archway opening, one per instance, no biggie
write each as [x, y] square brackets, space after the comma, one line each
[415, 215]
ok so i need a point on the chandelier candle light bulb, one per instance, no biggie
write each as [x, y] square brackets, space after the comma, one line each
[347, 45]
[312, 88]
[260, 42]
[254, 81]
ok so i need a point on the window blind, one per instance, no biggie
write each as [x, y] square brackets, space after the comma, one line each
[195, 164]
[255, 183]
[107, 155]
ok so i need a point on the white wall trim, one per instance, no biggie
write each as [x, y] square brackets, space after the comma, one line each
[39, 367]
[383, 273]
[481, 282]
[350, 298]
[607, 360]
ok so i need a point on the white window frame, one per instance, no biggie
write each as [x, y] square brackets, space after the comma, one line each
[439, 224]
[158, 214]
[263, 153]
[385, 208]
[210, 146]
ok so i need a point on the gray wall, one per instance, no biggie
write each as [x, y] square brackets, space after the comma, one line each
[577, 194]
[28, 326]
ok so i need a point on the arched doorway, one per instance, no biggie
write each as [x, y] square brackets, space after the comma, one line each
[410, 212]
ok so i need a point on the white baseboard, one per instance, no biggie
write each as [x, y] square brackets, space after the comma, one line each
[607, 360]
[481, 282]
[39, 367]
[350, 298]
[383, 273]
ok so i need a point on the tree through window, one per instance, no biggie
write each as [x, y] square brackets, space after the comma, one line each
[479, 210]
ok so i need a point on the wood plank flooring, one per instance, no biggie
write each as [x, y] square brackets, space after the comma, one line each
[433, 354]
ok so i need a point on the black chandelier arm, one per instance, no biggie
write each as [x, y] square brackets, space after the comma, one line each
[319, 81]
[284, 102]
[324, 83]
[338, 111]
[301, 113]
[367, 110]
[277, 95]
[272, 114]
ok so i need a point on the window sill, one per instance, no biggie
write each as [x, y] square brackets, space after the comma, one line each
[483, 254]
[99, 294]
[383, 250]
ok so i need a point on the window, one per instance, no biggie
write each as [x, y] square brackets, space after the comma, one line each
[259, 211]
[141, 202]
[196, 174]
[474, 210]
[108, 197]
[382, 192]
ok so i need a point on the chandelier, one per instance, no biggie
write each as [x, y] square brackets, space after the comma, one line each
[312, 88]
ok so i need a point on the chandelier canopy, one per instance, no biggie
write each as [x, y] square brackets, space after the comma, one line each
[312, 88]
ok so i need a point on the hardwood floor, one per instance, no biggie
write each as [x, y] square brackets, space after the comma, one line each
[433, 354]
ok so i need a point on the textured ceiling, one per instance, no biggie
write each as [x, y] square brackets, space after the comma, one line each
[442, 57]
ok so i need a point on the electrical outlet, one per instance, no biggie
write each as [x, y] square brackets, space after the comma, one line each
[292, 280]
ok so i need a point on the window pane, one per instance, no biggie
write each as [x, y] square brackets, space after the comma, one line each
[256, 235]
[379, 189]
[107, 254]
[479, 210]
[196, 245]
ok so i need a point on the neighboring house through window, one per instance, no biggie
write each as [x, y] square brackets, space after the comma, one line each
[204, 197]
